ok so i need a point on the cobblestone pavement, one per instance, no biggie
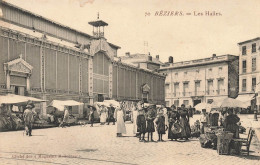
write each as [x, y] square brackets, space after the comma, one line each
[99, 145]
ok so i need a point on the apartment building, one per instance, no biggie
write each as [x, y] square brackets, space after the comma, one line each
[202, 80]
[249, 70]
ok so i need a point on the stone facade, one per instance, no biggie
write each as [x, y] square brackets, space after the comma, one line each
[201, 80]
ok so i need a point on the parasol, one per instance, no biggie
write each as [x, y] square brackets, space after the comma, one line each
[113, 102]
[229, 103]
[201, 106]
[102, 103]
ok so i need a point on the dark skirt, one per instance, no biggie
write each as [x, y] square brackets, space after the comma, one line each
[233, 128]
[141, 124]
[161, 125]
[150, 126]
[186, 131]
[172, 135]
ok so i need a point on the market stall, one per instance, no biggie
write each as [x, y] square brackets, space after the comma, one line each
[221, 137]
[60, 106]
[12, 108]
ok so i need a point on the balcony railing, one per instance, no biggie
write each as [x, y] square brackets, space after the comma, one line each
[220, 91]
[198, 93]
[244, 70]
[210, 92]
[186, 93]
[167, 95]
[177, 94]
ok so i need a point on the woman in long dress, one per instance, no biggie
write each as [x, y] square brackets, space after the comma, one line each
[165, 114]
[135, 113]
[173, 118]
[184, 121]
[120, 121]
[230, 123]
[103, 114]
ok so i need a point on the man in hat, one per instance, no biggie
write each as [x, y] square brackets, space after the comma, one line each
[203, 121]
[111, 111]
[28, 117]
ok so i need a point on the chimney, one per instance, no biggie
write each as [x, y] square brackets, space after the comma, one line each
[150, 58]
[171, 59]
[127, 54]
[157, 57]
[214, 55]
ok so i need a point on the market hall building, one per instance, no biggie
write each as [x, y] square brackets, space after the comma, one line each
[42, 58]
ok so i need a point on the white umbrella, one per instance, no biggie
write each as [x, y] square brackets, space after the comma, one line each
[113, 102]
[102, 103]
[201, 106]
[229, 103]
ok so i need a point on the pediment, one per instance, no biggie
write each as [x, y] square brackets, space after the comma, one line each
[101, 45]
[18, 65]
[146, 88]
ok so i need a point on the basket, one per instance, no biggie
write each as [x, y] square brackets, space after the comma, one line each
[176, 128]
[223, 143]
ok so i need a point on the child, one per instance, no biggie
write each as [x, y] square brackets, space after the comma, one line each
[141, 125]
[150, 116]
[160, 122]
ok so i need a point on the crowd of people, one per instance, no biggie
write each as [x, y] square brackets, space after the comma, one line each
[146, 120]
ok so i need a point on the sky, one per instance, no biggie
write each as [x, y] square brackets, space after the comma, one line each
[134, 22]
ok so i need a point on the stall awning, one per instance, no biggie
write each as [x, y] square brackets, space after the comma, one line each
[59, 104]
[18, 99]
[246, 98]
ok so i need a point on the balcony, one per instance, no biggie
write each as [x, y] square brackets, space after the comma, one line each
[176, 94]
[168, 95]
[244, 70]
[221, 91]
[198, 93]
[210, 92]
[186, 93]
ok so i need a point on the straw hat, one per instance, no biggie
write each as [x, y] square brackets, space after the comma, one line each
[30, 104]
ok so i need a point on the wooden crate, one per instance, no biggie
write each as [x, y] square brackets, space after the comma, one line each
[223, 143]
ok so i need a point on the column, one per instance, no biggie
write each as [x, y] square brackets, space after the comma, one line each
[117, 80]
[110, 79]
[136, 84]
[7, 80]
[90, 80]
[81, 109]
[44, 105]
[28, 87]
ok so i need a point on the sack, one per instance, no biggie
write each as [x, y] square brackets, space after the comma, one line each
[204, 141]
[176, 128]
